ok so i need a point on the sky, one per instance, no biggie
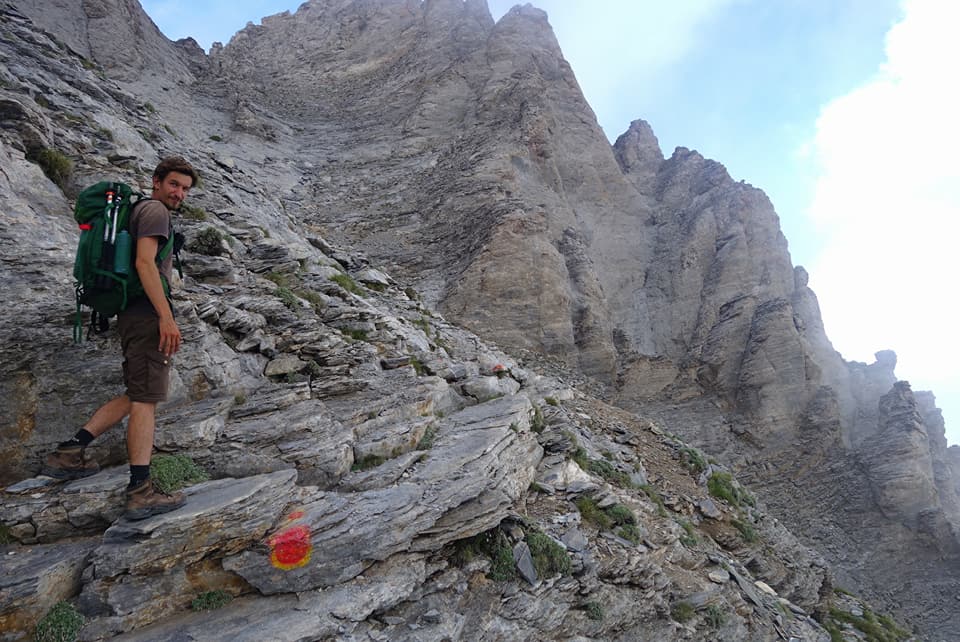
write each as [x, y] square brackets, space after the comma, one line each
[843, 111]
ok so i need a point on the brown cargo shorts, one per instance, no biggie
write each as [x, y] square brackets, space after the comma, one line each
[146, 370]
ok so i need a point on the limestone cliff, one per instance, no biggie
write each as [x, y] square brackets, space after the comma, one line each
[422, 147]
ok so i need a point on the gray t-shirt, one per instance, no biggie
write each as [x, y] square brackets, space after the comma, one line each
[151, 218]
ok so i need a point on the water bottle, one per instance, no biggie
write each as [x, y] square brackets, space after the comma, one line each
[121, 256]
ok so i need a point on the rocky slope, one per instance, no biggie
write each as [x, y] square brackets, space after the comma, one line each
[457, 155]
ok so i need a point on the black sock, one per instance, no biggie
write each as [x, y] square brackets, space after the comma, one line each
[82, 439]
[138, 475]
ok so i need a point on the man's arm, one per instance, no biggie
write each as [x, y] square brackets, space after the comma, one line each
[147, 248]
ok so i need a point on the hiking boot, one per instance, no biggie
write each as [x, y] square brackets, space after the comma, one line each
[146, 501]
[68, 462]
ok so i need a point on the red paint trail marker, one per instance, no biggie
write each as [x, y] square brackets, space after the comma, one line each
[291, 548]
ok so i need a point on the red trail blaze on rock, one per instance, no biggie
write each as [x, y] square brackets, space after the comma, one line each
[290, 548]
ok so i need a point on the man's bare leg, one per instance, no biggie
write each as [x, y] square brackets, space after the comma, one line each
[108, 415]
[140, 432]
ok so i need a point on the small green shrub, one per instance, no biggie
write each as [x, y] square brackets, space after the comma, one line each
[357, 335]
[716, 616]
[538, 423]
[54, 164]
[629, 532]
[173, 472]
[412, 294]
[549, 558]
[875, 629]
[41, 100]
[689, 538]
[105, 133]
[210, 600]
[216, 138]
[193, 213]
[592, 513]
[682, 612]
[654, 496]
[5, 536]
[288, 297]
[418, 366]
[747, 531]
[348, 284]
[169, 130]
[61, 624]
[620, 514]
[240, 398]
[209, 241]
[150, 108]
[594, 610]
[693, 460]
[551, 401]
[492, 544]
[429, 438]
[367, 462]
[722, 486]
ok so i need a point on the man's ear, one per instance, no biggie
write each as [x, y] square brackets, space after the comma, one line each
[156, 183]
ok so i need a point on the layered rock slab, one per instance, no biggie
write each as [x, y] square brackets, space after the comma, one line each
[483, 459]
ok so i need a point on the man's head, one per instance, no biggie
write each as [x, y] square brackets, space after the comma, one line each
[172, 179]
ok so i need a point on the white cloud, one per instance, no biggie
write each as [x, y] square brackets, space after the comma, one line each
[888, 203]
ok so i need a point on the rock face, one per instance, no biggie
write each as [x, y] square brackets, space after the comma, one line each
[367, 167]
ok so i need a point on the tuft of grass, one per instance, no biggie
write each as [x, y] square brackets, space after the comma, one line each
[682, 612]
[367, 462]
[288, 297]
[429, 438]
[492, 544]
[630, 532]
[418, 366]
[747, 531]
[216, 138]
[722, 486]
[654, 496]
[357, 335]
[689, 538]
[173, 472]
[594, 610]
[693, 459]
[603, 468]
[169, 130]
[549, 558]
[538, 423]
[61, 624]
[240, 398]
[716, 617]
[193, 213]
[210, 600]
[105, 133]
[551, 401]
[592, 513]
[882, 629]
[54, 164]
[150, 108]
[209, 241]
[347, 283]
[5, 536]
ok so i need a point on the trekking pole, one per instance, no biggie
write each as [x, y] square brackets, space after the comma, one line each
[108, 210]
[115, 214]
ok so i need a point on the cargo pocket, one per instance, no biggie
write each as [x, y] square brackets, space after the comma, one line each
[158, 372]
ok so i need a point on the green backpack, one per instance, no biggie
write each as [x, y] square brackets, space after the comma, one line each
[105, 278]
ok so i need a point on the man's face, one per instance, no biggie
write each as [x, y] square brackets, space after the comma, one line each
[172, 190]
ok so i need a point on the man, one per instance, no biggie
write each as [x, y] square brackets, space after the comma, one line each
[150, 337]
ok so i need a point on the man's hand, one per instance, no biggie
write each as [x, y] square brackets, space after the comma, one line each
[169, 336]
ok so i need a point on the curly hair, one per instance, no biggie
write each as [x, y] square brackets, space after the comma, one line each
[175, 164]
